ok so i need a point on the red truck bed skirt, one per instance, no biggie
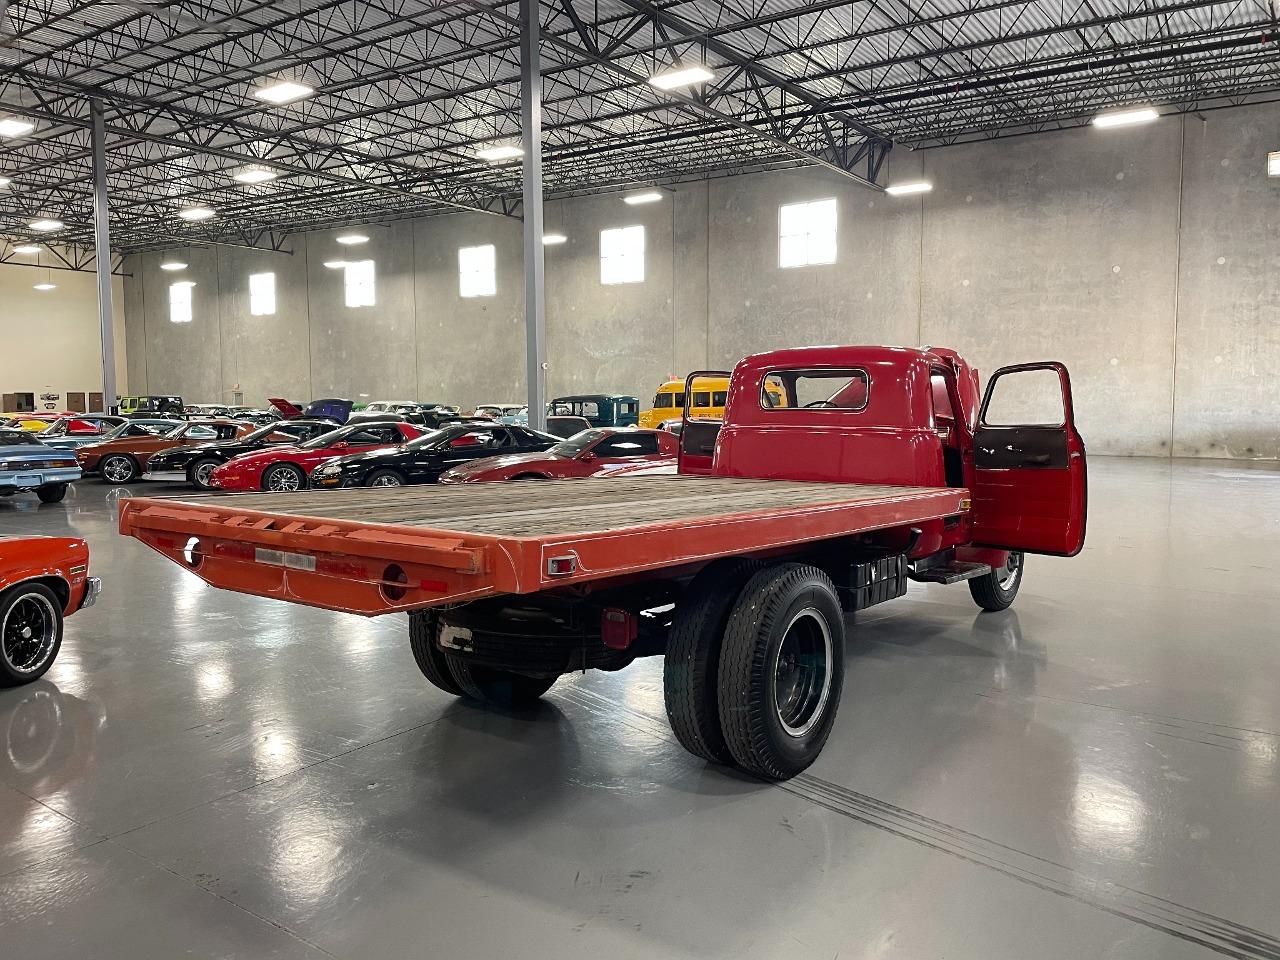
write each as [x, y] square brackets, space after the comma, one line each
[381, 550]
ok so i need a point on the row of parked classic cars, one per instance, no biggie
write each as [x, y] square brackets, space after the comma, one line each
[327, 444]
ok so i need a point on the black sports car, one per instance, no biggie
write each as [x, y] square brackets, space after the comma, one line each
[424, 459]
[194, 464]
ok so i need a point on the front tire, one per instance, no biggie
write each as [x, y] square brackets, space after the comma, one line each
[53, 493]
[497, 688]
[30, 633]
[284, 478]
[199, 472]
[691, 665]
[384, 478]
[781, 670]
[996, 590]
[424, 627]
[119, 468]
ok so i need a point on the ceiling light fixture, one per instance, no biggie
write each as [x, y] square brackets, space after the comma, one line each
[254, 173]
[172, 265]
[906, 189]
[351, 239]
[686, 75]
[1273, 163]
[335, 264]
[498, 152]
[283, 91]
[46, 225]
[651, 196]
[45, 286]
[196, 214]
[551, 239]
[15, 127]
[5, 181]
[1126, 118]
[27, 249]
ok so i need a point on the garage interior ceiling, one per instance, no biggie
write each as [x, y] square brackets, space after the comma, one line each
[407, 91]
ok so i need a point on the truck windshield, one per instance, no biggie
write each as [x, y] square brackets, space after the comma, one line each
[575, 444]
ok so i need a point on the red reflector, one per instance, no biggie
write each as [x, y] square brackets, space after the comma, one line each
[562, 566]
[618, 628]
[435, 586]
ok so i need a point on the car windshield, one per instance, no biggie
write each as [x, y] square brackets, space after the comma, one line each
[427, 439]
[56, 429]
[576, 444]
[325, 439]
[17, 438]
[294, 430]
[177, 431]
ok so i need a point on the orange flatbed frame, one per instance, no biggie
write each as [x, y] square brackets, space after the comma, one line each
[382, 550]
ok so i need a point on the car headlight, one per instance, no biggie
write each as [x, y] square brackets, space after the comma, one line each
[327, 470]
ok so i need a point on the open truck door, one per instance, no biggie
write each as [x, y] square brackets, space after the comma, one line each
[1029, 478]
[697, 434]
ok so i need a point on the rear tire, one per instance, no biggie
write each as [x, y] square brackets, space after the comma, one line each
[996, 590]
[781, 670]
[424, 627]
[119, 468]
[497, 688]
[30, 633]
[691, 665]
[52, 493]
[284, 478]
[199, 472]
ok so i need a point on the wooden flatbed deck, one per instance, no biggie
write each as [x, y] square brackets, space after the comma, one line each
[353, 549]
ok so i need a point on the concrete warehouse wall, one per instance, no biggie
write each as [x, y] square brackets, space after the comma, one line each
[1144, 258]
[49, 340]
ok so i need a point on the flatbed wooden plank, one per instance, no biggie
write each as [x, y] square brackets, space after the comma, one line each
[540, 509]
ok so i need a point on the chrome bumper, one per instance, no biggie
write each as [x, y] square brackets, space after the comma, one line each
[92, 587]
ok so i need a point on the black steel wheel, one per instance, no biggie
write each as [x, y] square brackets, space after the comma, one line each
[424, 628]
[691, 664]
[497, 688]
[30, 632]
[51, 492]
[996, 590]
[781, 670]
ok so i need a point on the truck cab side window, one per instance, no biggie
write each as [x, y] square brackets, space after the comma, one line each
[1025, 398]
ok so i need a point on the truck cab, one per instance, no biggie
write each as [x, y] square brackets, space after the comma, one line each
[911, 417]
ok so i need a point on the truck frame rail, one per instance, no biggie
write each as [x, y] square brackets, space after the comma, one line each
[382, 550]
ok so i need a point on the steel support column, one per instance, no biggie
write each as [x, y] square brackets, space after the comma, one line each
[535, 318]
[102, 251]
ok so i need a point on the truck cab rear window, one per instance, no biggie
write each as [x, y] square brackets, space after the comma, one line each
[815, 390]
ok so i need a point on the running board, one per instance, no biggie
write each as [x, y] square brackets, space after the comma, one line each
[952, 572]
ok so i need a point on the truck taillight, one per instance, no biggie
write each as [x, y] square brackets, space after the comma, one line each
[562, 566]
[618, 628]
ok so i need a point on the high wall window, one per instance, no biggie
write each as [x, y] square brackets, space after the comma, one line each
[807, 233]
[262, 294]
[477, 271]
[180, 301]
[622, 255]
[360, 283]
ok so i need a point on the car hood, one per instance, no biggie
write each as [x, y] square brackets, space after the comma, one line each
[500, 461]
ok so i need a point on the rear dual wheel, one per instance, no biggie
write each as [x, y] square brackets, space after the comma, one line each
[458, 676]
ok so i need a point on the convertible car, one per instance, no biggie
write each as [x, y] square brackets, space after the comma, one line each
[195, 464]
[33, 422]
[27, 464]
[76, 431]
[123, 459]
[583, 455]
[424, 459]
[42, 580]
[286, 467]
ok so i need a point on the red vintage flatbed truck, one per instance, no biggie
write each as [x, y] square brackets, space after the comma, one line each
[880, 467]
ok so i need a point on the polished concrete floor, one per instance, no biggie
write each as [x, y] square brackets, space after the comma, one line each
[1091, 774]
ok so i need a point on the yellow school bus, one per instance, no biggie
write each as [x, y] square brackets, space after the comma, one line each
[707, 402]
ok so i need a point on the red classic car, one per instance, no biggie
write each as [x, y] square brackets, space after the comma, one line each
[288, 467]
[42, 580]
[582, 455]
